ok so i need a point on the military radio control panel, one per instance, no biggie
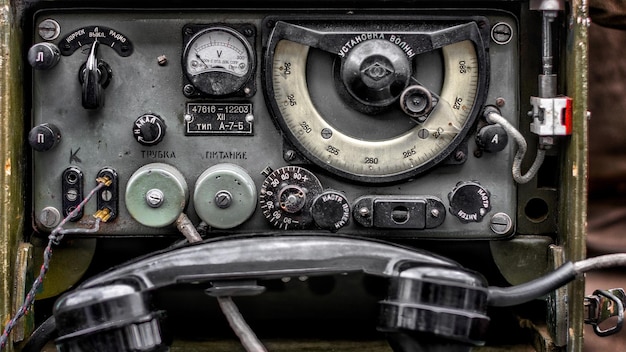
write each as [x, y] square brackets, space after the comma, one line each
[369, 123]
[317, 152]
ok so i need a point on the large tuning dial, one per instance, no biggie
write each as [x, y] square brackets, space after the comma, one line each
[375, 104]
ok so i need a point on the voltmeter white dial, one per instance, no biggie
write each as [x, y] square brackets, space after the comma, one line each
[372, 70]
[218, 60]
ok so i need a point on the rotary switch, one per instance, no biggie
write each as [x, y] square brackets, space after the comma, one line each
[149, 129]
[469, 201]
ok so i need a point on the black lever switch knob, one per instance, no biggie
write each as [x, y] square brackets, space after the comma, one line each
[44, 137]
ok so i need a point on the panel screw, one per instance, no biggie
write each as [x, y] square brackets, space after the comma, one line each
[155, 198]
[434, 213]
[500, 102]
[188, 89]
[327, 133]
[501, 223]
[71, 194]
[223, 199]
[501, 33]
[49, 29]
[106, 195]
[289, 155]
[459, 155]
[162, 60]
[49, 217]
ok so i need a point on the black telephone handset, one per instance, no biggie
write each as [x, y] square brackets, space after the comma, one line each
[433, 303]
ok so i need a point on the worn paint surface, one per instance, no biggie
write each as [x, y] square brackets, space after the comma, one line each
[572, 226]
[11, 178]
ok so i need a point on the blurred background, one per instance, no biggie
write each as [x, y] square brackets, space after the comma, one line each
[607, 153]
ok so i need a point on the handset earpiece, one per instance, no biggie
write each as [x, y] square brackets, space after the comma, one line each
[115, 317]
[430, 298]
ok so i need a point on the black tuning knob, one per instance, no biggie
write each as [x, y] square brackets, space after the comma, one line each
[331, 211]
[469, 201]
[43, 56]
[492, 138]
[44, 137]
[376, 72]
[149, 129]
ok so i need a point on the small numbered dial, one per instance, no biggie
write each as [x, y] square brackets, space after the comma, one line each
[286, 197]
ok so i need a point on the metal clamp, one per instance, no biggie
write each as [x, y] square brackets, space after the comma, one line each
[551, 116]
[603, 305]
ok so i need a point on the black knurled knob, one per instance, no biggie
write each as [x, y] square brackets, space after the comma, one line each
[149, 129]
[331, 210]
[469, 201]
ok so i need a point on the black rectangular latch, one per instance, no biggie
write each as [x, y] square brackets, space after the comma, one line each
[399, 212]
[73, 192]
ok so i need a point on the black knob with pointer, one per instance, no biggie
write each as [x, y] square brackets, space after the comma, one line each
[149, 129]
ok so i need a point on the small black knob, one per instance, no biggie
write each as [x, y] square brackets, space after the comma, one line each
[44, 137]
[43, 56]
[149, 129]
[492, 138]
[417, 102]
[469, 201]
[331, 211]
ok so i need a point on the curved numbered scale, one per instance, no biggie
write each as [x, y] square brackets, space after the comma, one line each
[286, 197]
[106, 36]
[353, 154]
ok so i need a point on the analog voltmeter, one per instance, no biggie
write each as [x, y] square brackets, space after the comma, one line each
[219, 60]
